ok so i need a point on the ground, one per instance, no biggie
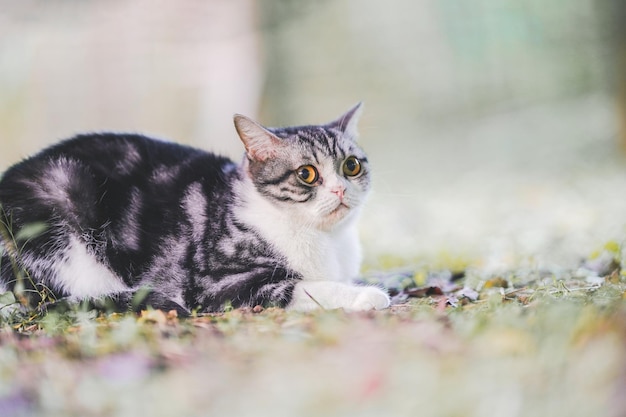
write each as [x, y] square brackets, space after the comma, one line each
[454, 344]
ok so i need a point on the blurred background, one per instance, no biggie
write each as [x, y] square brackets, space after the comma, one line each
[496, 128]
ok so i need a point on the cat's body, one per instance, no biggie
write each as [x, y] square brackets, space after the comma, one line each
[125, 212]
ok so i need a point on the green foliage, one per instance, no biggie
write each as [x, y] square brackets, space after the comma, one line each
[15, 308]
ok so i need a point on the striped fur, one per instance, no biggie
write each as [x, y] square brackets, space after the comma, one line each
[124, 212]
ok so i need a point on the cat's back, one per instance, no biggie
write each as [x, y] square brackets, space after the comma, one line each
[117, 155]
[129, 158]
[91, 175]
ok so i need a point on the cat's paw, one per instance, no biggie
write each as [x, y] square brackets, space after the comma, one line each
[311, 295]
[370, 298]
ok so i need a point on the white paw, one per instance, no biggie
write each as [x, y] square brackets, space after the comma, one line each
[311, 295]
[370, 298]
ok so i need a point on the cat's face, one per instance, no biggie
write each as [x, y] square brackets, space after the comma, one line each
[318, 174]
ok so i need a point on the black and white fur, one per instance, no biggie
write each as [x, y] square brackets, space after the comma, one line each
[123, 212]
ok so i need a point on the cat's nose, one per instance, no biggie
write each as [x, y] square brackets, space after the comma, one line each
[339, 190]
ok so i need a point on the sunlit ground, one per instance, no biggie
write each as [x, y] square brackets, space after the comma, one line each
[559, 352]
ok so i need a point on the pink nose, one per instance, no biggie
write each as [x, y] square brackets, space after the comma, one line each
[338, 191]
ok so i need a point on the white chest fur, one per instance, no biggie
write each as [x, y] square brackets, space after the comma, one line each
[322, 256]
[318, 255]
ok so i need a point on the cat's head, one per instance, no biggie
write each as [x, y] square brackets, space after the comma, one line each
[317, 173]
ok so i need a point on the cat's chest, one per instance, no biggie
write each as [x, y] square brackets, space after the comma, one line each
[321, 255]
[316, 255]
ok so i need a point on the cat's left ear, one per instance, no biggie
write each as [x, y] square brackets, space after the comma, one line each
[260, 143]
[347, 122]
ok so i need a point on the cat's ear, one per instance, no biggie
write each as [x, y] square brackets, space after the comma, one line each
[347, 122]
[260, 143]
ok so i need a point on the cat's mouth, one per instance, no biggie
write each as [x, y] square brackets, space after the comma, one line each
[340, 210]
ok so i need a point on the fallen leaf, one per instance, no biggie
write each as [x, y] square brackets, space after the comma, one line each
[497, 282]
[153, 316]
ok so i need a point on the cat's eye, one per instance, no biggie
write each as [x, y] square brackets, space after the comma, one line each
[307, 173]
[352, 166]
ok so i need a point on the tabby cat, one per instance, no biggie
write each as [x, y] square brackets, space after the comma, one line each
[126, 214]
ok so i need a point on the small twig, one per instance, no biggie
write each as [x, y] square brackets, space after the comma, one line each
[593, 287]
[314, 300]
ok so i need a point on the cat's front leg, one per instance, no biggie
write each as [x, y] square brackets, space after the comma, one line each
[311, 295]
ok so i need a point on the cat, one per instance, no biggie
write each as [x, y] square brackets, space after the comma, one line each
[124, 213]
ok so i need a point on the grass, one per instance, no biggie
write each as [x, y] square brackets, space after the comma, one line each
[517, 347]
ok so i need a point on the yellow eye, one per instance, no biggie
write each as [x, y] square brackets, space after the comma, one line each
[307, 173]
[352, 166]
